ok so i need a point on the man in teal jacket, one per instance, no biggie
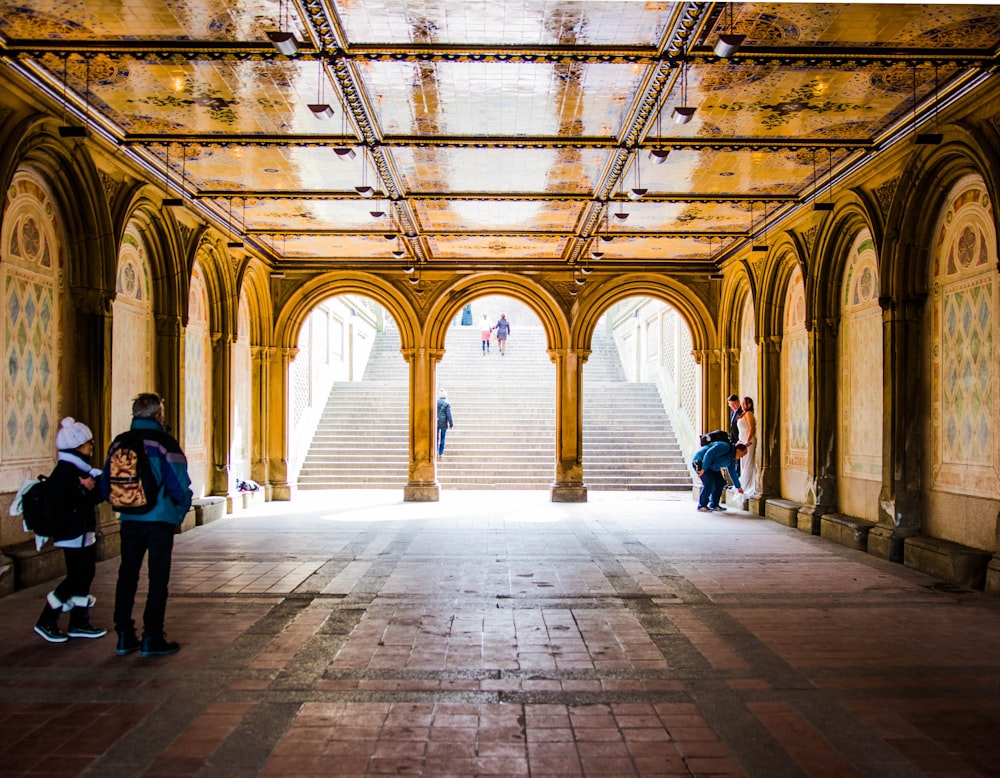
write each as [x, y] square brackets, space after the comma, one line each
[708, 462]
[152, 531]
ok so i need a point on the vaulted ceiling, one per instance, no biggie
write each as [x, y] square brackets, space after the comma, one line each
[498, 132]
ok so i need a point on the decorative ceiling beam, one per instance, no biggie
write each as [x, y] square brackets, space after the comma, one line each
[646, 55]
[452, 142]
[496, 197]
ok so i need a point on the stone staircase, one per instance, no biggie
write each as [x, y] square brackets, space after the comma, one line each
[504, 411]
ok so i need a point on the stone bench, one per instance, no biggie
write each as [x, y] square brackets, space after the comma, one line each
[6, 575]
[846, 530]
[208, 509]
[31, 566]
[946, 560]
[783, 512]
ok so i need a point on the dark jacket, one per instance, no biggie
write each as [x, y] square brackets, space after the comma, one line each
[716, 456]
[444, 413]
[72, 501]
[503, 329]
[734, 429]
[169, 466]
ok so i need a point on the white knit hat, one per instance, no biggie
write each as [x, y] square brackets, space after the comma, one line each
[72, 434]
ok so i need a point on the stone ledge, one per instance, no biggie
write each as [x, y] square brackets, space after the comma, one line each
[783, 512]
[6, 575]
[809, 519]
[993, 576]
[208, 509]
[846, 530]
[31, 566]
[946, 560]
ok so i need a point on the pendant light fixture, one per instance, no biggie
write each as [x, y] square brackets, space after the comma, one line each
[728, 42]
[637, 190]
[233, 242]
[282, 39]
[344, 151]
[321, 109]
[760, 247]
[364, 190]
[72, 130]
[682, 113]
[168, 201]
[926, 138]
[658, 154]
[824, 205]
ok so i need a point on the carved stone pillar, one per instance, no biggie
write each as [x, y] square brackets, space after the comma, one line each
[92, 333]
[712, 397]
[261, 421]
[421, 483]
[170, 370]
[900, 514]
[568, 485]
[279, 363]
[769, 417]
[222, 415]
[823, 415]
[822, 487]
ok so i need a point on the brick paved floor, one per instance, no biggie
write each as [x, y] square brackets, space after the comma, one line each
[500, 634]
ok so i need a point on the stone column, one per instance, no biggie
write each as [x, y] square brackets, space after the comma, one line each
[261, 422]
[712, 415]
[222, 421]
[900, 514]
[769, 416]
[568, 485]
[93, 337]
[421, 483]
[822, 489]
[170, 370]
[278, 368]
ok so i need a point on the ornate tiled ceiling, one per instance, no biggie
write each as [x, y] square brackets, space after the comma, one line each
[498, 131]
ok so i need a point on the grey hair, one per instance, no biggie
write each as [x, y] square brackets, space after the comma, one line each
[146, 405]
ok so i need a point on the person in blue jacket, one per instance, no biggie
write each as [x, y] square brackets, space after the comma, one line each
[151, 532]
[708, 462]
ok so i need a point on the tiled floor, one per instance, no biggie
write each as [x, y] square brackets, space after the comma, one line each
[500, 634]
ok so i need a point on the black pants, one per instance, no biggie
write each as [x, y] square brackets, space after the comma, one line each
[138, 537]
[80, 566]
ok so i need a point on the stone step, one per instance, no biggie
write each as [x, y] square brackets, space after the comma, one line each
[504, 409]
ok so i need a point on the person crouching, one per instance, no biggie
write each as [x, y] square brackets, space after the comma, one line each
[708, 462]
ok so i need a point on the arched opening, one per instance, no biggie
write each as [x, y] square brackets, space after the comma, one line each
[501, 392]
[347, 414]
[641, 406]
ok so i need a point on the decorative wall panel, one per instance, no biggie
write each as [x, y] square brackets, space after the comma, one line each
[795, 378]
[242, 420]
[965, 399]
[860, 359]
[748, 353]
[197, 377]
[30, 261]
[132, 345]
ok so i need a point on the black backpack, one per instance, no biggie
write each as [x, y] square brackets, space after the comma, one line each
[131, 485]
[37, 511]
[714, 436]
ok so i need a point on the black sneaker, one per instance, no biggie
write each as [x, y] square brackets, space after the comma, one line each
[51, 633]
[86, 631]
[127, 643]
[158, 645]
